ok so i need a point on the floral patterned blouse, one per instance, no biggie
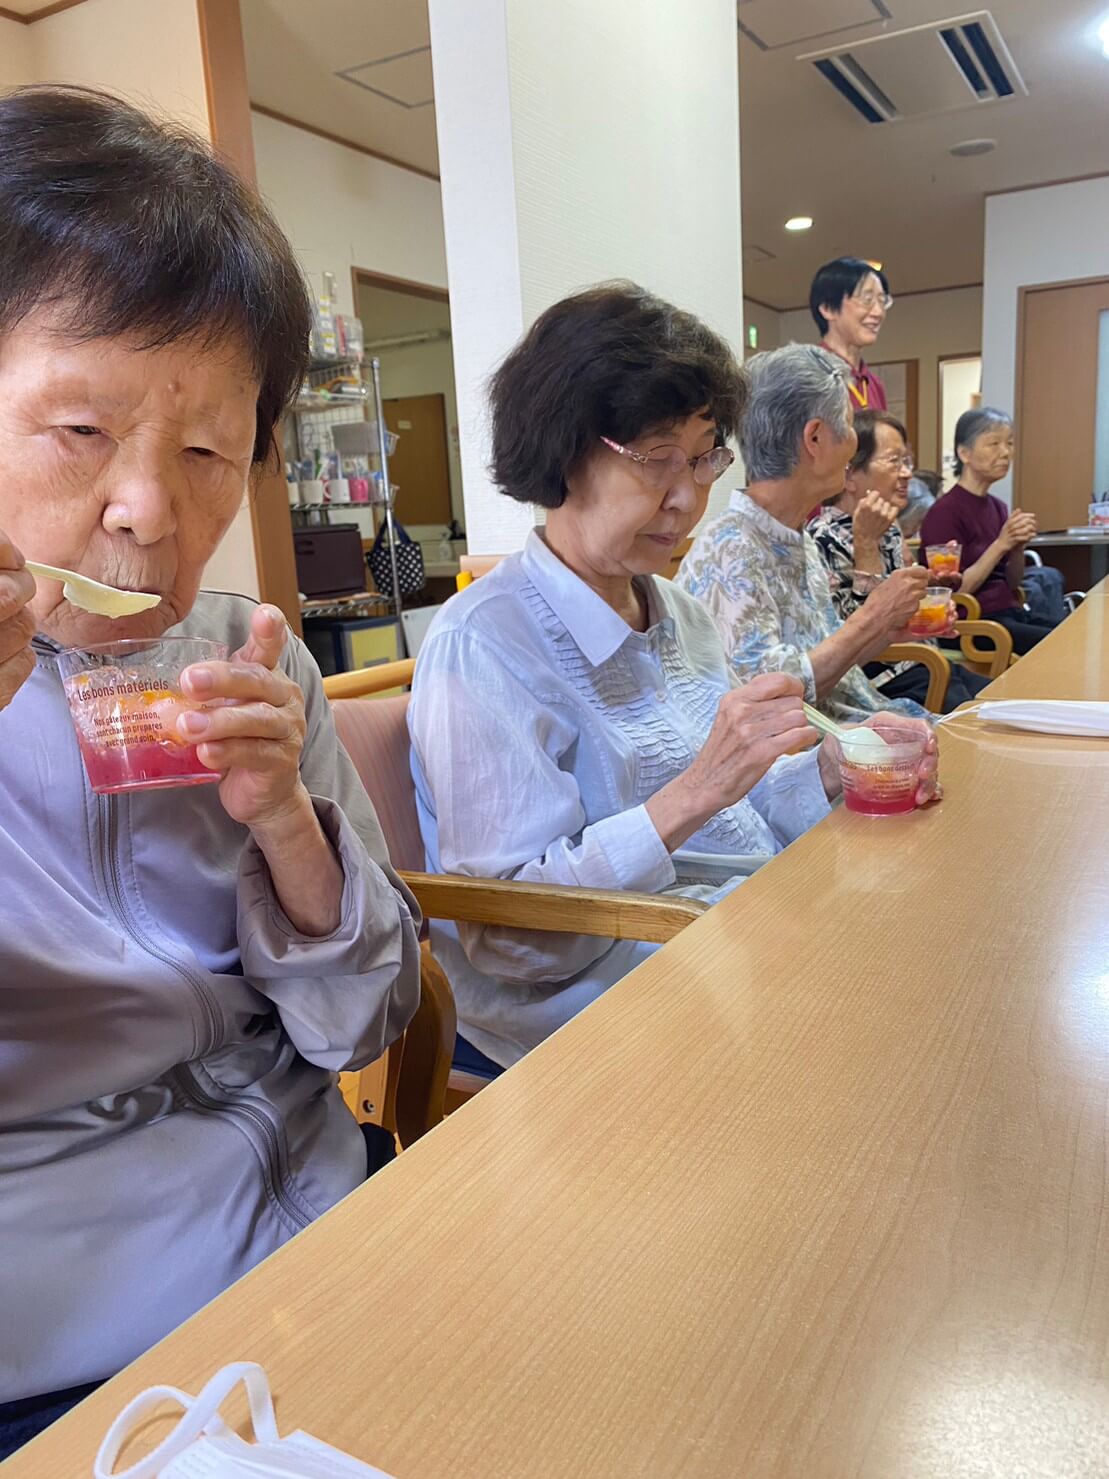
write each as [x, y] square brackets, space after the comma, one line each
[768, 593]
[833, 532]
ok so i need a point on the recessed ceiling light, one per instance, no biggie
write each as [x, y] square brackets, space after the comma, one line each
[970, 147]
[1103, 36]
[871, 263]
[798, 223]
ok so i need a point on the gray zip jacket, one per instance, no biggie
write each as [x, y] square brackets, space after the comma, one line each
[168, 1041]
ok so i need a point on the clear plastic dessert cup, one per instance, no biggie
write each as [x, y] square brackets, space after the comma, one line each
[932, 618]
[943, 559]
[881, 782]
[125, 699]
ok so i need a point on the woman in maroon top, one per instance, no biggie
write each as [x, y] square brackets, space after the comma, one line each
[993, 539]
[849, 300]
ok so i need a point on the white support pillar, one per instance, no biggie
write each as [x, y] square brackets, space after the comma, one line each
[580, 141]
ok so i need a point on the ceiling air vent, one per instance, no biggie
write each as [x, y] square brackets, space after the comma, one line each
[923, 71]
[853, 82]
[975, 55]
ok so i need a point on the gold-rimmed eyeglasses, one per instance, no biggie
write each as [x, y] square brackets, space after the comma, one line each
[663, 466]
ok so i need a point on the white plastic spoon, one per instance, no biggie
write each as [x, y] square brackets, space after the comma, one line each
[90, 595]
[860, 745]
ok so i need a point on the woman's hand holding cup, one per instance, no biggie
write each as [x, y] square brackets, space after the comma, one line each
[255, 733]
[755, 725]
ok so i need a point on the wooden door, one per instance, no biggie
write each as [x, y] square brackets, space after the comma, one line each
[901, 378]
[1057, 352]
[420, 467]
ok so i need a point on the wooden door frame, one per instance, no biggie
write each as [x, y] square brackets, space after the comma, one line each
[363, 277]
[1018, 380]
[912, 392]
[225, 83]
[941, 360]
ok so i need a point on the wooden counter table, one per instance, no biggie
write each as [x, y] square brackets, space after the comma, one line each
[822, 1190]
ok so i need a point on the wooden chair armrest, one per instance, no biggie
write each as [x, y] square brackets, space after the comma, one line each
[995, 657]
[608, 914]
[366, 681]
[939, 669]
[968, 605]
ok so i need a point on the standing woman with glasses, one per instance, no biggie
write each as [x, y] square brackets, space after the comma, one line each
[849, 300]
[574, 718]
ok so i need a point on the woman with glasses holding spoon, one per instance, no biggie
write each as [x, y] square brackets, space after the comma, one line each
[849, 300]
[574, 718]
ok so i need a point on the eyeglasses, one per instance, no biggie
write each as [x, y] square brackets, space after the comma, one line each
[904, 463]
[873, 300]
[663, 466]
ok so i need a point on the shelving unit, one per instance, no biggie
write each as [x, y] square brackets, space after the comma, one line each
[316, 413]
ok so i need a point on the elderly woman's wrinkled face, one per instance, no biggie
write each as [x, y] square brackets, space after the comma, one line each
[888, 471]
[619, 521]
[991, 454]
[121, 463]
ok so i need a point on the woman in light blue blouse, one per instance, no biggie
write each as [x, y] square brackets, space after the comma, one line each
[573, 717]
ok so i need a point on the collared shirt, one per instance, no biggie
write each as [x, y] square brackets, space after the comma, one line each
[867, 391]
[541, 723]
[766, 589]
[974, 522]
[833, 533]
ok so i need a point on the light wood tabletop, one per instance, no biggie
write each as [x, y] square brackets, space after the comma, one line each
[821, 1190]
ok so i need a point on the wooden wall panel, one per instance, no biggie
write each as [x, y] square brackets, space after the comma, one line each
[1056, 400]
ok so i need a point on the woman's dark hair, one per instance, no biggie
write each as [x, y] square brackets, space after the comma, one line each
[971, 425]
[611, 361]
[132, 227]
[866, 429]
[838, 280]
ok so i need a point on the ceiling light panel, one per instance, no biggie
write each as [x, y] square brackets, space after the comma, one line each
[404, 79]
[771, 24]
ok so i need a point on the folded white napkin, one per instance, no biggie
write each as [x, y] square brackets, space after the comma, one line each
[1049, 715]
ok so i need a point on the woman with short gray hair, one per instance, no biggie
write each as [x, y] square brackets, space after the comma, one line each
[760, 576]
[993, 539]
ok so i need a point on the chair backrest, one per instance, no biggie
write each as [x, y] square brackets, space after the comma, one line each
[374, 733]
[382, 677]
[420, 1092]
[478, 565]
[405, 1090]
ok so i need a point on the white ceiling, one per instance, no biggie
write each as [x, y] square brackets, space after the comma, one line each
[892, 192]
[295, 48]
[885, 191]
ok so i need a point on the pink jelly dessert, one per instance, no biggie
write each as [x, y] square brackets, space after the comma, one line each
[879, 791]
[128, 733]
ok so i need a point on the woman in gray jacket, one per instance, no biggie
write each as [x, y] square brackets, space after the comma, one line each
[182, 972]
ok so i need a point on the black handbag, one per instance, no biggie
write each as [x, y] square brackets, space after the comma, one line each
[410, 562]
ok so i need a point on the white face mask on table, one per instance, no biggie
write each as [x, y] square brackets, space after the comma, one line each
[202, 1446]
[1083, 717]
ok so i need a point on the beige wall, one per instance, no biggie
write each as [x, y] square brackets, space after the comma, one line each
[342, 209]
[924, 327]
[149, 53]
[15, 53]
[768, 321]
